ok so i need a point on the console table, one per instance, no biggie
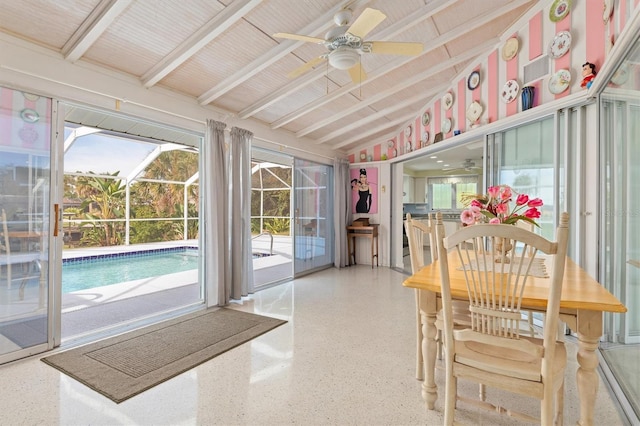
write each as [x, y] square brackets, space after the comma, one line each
[371, 232]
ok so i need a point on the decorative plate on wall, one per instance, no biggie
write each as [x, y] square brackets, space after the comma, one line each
[510, 91]
[510, 49]
[446, 125]
[559, 10]
[559, 81]
[447, 100]
[425, 138]
[30, 96]
[621, 75]
[425, 119]
[474, 80]
[408, 130]
[608, 10]
[29, 116]
[474, 111]
[560, 44]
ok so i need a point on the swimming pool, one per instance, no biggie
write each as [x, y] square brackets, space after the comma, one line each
[97, 271]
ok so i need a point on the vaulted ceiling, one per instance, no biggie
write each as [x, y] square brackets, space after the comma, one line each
[224, 53]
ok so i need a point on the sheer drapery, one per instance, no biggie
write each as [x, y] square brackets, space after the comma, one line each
[341, 210]
[214, 212]
[241, 282]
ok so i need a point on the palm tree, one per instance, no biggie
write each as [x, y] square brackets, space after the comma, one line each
[107, 195]
[176, 166]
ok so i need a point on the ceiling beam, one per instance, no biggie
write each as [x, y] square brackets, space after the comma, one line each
[442, 66]
[437, 42]
[394, 123]
[322, 24]
[92, 28]
[196, 41]
[396, 106]
[373, 130]
[392, 91]
[407, 22]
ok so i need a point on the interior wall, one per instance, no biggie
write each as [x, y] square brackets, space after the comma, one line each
[591, 41]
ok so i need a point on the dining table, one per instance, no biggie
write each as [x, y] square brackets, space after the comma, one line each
[583, 303]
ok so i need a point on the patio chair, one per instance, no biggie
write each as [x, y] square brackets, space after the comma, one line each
[491, 350]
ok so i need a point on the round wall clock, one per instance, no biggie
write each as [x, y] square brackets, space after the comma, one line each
[560, 44]
[559, 10]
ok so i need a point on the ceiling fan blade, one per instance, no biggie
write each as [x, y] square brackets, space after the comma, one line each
[306, 67]
[396, 48]
[368, 20]
[299, 37]
[357, 73]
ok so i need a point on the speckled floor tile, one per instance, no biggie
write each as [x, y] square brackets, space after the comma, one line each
[345, 357]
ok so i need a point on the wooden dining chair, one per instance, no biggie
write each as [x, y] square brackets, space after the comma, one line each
[529, 227]
[418, 233]
[491, 350]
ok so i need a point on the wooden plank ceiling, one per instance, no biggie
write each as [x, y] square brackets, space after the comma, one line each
[223, 53]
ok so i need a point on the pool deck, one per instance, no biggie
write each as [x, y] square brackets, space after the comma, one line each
[75, 253]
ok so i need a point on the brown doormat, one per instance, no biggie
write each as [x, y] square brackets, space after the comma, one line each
[124, 366]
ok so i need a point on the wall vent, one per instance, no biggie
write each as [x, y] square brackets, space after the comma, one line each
[537, 69]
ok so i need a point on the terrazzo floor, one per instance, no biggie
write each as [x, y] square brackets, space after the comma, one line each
[345, 357]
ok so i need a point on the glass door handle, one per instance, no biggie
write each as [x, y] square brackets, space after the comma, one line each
[56, 210]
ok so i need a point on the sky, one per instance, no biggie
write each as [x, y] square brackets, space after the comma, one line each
[105, 154]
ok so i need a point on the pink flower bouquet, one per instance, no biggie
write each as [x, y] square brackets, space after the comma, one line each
[495, 207]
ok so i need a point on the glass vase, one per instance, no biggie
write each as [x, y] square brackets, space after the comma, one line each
[527, 97]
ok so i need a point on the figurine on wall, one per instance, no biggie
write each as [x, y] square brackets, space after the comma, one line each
[588, 74]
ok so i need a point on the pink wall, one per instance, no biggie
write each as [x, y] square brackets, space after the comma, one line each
[590, 42]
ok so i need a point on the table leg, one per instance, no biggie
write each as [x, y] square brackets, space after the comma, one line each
[428, 318]
[377, 252]
[371, 252]
[589, 330]
[349, 249]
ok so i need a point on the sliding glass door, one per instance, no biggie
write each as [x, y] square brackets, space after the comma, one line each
[25, 234]
[527, 159]
[313, 216]
[271, 240]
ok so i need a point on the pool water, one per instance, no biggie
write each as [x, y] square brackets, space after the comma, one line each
[100, 272]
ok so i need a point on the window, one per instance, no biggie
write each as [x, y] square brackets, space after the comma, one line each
[445, 193]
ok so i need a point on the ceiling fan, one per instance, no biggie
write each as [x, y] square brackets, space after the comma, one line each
[468, 165]
[345, 43]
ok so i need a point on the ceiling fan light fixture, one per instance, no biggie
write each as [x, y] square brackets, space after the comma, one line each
[343, 58]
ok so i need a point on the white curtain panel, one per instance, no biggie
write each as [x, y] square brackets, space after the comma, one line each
[241, 282]
[341, 210]
[214, 232]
